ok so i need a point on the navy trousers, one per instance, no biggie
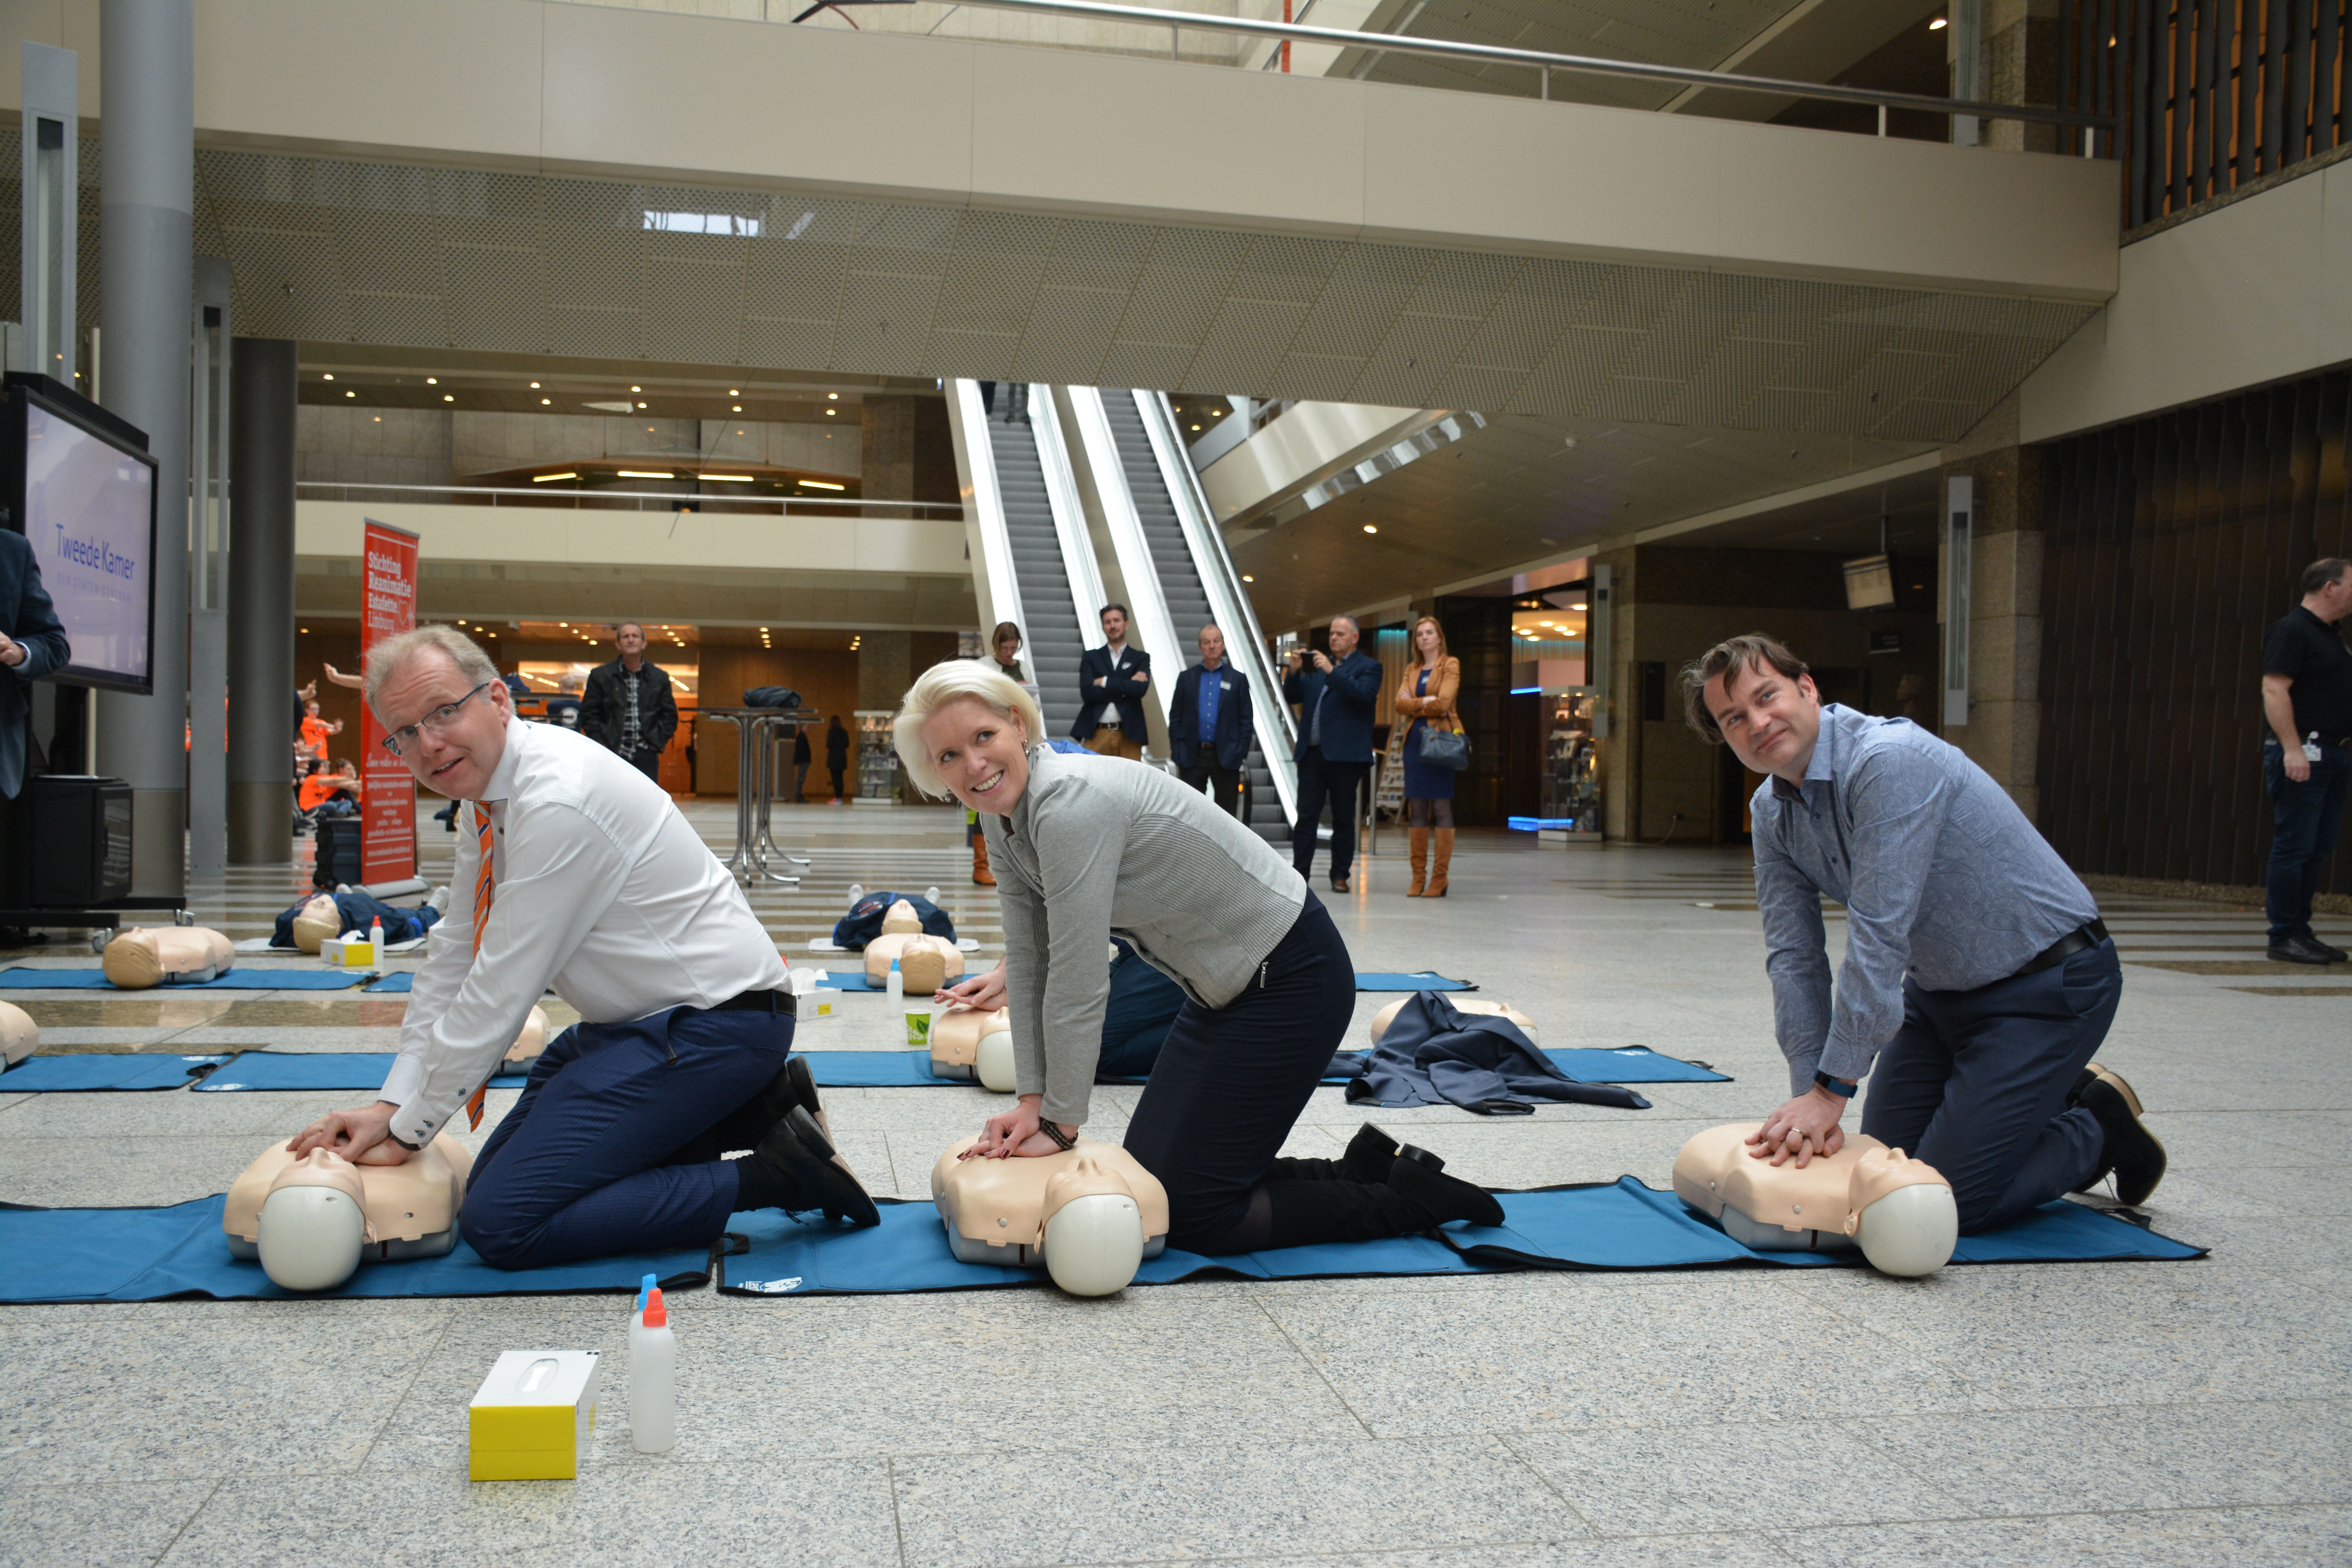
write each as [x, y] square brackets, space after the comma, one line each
[612, 1146]
[1975, 1083]
[1230, 1081]
[2305, 820]
[1340, 782]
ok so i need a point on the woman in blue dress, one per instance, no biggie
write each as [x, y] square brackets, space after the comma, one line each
[1427, 698]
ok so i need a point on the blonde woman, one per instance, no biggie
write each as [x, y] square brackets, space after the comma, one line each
[1087, 847]
[1427, 698]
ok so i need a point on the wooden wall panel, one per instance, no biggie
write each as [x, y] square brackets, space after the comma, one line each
[2172, 547]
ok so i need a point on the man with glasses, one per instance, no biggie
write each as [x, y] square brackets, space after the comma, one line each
[576, 873]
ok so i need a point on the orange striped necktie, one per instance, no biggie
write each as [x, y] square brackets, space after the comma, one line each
[484, 892]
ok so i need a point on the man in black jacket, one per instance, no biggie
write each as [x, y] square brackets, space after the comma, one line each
[1111, 683]
[628, 707]
[32, 645]
[1209, 725]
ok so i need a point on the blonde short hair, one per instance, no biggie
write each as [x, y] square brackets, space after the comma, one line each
[394, 651]
[945, 683]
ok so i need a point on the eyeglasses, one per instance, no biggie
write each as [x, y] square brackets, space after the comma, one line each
[437, 723]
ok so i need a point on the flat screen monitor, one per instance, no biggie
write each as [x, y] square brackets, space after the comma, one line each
[1870, 583]
[80, 486]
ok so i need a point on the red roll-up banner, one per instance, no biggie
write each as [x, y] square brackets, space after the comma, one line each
[388, 813]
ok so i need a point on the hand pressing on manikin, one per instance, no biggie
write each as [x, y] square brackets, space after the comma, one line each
[1013, 1134]
[1804, 1129]
[363, 1136]
[981, 993]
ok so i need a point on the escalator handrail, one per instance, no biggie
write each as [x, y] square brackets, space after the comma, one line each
[1078, 567]
[985, 507]
[1228, 604]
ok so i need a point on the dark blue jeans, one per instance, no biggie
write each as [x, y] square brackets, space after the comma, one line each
[1975, 1083]
[2305, 820]
[611, 1147]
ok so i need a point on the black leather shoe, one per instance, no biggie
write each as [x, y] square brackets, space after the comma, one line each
[2334, 955]
[2132, 1156]
[2302, 950]
[1444, 1197]
[793, 1084]
[1372, 1151]
[797, 1149]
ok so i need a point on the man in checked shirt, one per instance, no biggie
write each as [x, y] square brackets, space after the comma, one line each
[1977, 976]
[576, 873]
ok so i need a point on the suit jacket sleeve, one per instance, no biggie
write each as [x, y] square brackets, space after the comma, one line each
[1093, 664]
[1359, 681]
[1245, 720]
[38, 626]
[1123, 687]
[1184, 711]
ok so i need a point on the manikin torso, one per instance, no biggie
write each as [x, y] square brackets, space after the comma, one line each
[1091, 1213]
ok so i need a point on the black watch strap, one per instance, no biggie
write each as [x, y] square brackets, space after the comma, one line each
[403, 1142]
[1842, 1090]
[1053, 1130]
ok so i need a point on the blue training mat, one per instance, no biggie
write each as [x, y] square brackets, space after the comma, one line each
[1625, 1225]
[252, 1071]
[23, 979]
[84, 1074]
[152, 1254]
[395, 984]
[1388, 979]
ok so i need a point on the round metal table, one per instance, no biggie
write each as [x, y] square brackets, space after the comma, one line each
[758, 734]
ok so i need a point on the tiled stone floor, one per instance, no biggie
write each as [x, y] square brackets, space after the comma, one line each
[2144, 1414]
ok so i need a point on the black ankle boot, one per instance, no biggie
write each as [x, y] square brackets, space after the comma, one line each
[1445, 1197]
[1369, 1154]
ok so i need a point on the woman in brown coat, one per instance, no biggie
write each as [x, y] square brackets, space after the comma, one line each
[1427, 698]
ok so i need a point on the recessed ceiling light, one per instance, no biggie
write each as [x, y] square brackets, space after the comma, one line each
[641, 406]
[1371, 528]
[645, 474]
[734, 392]
[1247, 578]
[1936, 26]
[449, 397]
[534, 386]
[548, 478]
[737, 409]
[379, 418]
[728, 478]
[544, 402]
[330, 375]
[432, 380]
[636, 389]
[831, 396]
[832, 411]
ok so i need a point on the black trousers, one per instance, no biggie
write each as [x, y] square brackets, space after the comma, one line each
[1230, 1081]
[648, 762]
[1342, 783]
[1203, 769]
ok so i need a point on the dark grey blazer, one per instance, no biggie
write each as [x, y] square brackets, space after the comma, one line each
[25, 615]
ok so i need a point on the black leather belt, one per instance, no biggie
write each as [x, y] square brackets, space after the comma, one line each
[2066, 947]
[759, 1002]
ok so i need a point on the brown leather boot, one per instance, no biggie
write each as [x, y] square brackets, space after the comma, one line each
[1420, 838]
[1442, 858]
[982, 877]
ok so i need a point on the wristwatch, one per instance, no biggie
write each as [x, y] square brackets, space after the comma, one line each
[403, 1142]
[1838, 1087]
[1053, 1130]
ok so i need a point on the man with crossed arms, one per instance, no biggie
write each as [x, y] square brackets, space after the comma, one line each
[577, 872]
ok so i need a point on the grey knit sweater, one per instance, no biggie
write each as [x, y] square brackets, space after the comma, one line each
[1101, 847]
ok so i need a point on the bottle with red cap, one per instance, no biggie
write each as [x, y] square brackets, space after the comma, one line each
[653, 1379]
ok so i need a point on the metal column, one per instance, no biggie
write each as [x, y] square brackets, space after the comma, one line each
[147, 213]
[261, 603]
[52, 143]
[208, 569]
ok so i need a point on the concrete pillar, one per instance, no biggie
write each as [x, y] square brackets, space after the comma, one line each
[261, 602]
[887, 451]
[2017, 62]
[147, 214]
[885, 667]
[2003, 735]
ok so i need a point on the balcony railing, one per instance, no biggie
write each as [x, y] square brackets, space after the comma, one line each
[542, 497]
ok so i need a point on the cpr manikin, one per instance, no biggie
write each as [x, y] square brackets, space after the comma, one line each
[925, 963]
[1898, 1210]
[310, 1222]
[145, 956]
[1091, 1214]
[1386, 1016]
[19, 1035]
[531, 1042]
[319, 920]
[968, 1044]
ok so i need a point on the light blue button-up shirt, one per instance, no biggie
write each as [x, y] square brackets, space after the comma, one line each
[1942, 878]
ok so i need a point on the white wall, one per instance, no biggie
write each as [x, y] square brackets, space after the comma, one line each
[2256, 291]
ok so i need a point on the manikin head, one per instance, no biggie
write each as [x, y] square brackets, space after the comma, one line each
[2327, 588]
[1902, 1214]
[1755, 696]
[1213, 648]
[964, 730]
[319, 920]
[439, 697]
[314, 1223]
[629, 642]
[1345, 634]
[1114, 625]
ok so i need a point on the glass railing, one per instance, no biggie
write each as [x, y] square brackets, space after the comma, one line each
[548, 496]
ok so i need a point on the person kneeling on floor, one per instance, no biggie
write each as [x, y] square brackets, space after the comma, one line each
[576, 872]
[1978, 974]
[1085, 847]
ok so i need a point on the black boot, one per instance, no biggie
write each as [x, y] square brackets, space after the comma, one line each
[1446, 1197]
[1307, 1211]
[1369, 1154]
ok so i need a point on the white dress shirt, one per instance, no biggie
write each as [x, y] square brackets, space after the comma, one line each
[600, 891]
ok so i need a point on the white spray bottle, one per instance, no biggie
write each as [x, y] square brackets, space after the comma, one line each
[653, 1379]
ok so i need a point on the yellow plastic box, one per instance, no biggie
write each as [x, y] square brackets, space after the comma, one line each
[532, 1418]
[349, 952]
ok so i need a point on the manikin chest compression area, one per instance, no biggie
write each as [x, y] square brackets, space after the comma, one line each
[1898, 1210]
[311, 1222]
[1090, 1213]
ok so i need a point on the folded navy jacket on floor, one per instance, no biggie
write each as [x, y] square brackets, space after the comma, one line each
[1435, 1054]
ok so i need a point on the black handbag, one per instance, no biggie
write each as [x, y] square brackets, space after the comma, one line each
[1448, 749]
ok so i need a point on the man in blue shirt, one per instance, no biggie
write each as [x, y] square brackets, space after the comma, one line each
[1209, 725]
[1978, 976]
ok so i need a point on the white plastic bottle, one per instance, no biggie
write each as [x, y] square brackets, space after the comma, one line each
[896, 986]
[375, 940]
[653, 1379]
